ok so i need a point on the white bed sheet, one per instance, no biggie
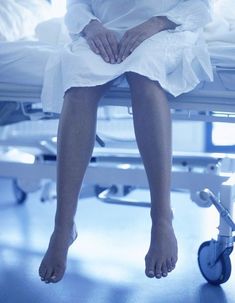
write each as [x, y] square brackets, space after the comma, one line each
[18, 18]
[23, 63]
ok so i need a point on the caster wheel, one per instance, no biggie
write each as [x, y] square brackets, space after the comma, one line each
[20, 195]
[218, 273]
[98, 189]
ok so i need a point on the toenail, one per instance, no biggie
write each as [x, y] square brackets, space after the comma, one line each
[151, 273]
[164, 274]
[158, 276]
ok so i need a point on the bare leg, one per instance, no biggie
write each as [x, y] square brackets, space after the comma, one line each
[76, 137]
[152, 124]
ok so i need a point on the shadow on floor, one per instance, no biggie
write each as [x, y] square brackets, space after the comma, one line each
[19, 282]
[211, 294]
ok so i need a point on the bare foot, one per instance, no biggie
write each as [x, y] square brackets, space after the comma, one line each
[163, 251]
[53, 265]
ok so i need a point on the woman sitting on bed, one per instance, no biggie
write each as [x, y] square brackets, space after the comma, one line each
[157, 46]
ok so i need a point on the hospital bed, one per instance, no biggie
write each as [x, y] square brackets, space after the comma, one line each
[28, 148]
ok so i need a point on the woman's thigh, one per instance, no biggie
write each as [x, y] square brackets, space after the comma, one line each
[142, 85]
[91, 94]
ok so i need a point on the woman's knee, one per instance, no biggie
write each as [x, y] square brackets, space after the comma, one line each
[141, 85]
[76, 94]
[79, 99]
[134, 78]
[84, 94]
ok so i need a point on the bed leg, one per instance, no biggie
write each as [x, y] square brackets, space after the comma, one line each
[227, 198]
[214, 256]
[224, 206]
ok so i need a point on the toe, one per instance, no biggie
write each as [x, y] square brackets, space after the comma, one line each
[164, 269]
[173, 262]
[54, 278]
[57, 275]
[149, 267]
[48, 274]
[168, 265]
[158, 271]
[42, 271]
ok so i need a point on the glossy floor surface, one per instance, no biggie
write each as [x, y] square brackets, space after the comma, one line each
[106, 263]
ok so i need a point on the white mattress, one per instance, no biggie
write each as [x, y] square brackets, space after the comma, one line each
[23, 62]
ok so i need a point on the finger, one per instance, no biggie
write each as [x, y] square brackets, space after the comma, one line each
[132, 45]
[108, 50]
[127, 50]
[122, 50]
[129, 45]
[122, 47]
[103, 53]
[113, 44]
[93, 47]
[136, 43]
[125, 37]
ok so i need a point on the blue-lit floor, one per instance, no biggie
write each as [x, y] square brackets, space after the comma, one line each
[106, 263]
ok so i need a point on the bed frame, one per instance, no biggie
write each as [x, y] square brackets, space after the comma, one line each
[115, 172]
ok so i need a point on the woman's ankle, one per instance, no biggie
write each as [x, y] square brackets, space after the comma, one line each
[64, 226]
[162, 218]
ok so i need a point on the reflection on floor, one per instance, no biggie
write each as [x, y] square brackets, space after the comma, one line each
[106, 263]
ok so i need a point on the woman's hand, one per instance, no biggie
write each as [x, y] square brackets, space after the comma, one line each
[101, 41]
[136, 35]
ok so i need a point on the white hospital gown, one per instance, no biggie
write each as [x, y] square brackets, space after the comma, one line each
[178, 59]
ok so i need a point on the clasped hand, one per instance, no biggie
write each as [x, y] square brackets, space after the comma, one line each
[103, 41]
